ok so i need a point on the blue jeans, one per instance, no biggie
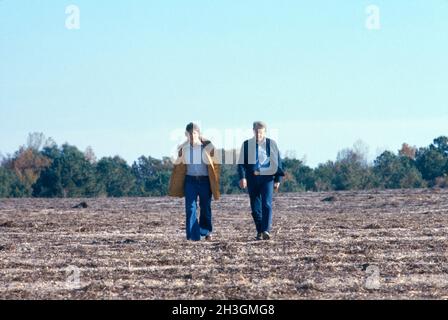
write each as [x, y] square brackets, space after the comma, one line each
[260, 190]
[194, 188]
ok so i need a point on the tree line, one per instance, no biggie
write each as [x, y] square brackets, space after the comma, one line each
[41, 168]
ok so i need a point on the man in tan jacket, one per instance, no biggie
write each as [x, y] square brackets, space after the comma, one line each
[196, 173]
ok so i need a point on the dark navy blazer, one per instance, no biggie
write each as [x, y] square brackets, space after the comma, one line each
[246, 169]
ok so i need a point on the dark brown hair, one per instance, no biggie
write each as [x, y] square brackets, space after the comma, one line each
[192, 127]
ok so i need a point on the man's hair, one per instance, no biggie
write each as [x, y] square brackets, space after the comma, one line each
[192, 127]
[259, 125]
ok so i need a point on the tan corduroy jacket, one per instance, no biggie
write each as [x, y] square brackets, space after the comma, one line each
[177, 179]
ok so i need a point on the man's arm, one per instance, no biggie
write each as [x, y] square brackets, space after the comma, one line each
[241, 167]
[279, 173]
[278, 177]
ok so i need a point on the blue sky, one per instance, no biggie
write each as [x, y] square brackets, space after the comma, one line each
[136, 72]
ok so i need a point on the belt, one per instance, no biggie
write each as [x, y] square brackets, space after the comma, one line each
[197, 178]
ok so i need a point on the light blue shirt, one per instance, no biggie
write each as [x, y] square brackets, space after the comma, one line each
[263, 156]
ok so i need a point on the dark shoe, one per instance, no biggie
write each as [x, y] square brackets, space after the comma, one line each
[259, 236]
[266, 235]
[208, 237]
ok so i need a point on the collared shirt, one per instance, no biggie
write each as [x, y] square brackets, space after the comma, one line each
[195, 162]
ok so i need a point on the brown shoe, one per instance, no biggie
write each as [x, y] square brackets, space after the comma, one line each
[208, 237]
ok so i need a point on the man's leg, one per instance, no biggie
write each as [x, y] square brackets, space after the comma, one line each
[266, 190]
[205, 203]
[255, 202]
[191, 223]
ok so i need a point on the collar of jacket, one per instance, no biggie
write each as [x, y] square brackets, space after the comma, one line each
[208, 148]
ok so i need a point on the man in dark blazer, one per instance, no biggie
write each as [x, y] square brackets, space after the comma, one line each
[260, 171]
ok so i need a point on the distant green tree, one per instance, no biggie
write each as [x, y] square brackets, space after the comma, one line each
[351, 171]
[324, 175]
[115, 176]
[387, 166]
[441, 144]
[10, 184]
[299, 177]
[69, 175]
[152, 176]
[431, 162]
[397, 171]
